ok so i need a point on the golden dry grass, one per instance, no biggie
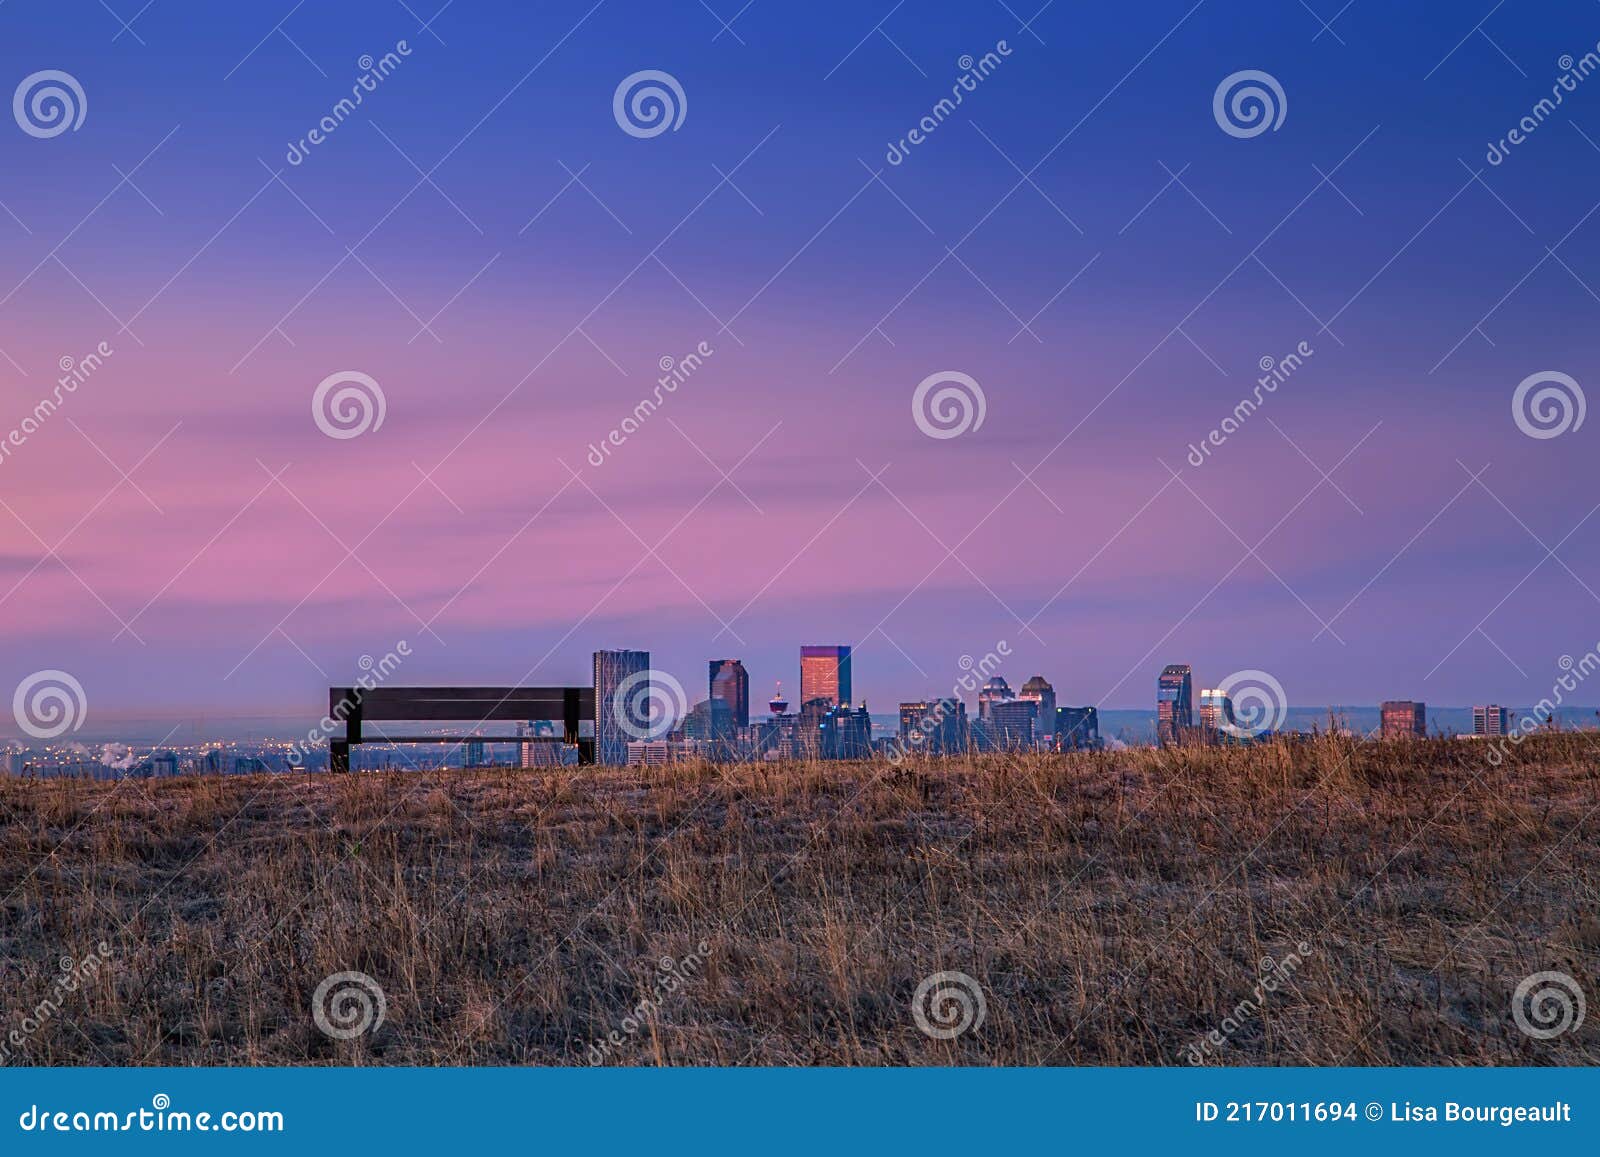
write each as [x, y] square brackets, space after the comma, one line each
[1113, 907]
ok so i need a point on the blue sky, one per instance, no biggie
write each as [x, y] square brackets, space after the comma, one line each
[1085, 188]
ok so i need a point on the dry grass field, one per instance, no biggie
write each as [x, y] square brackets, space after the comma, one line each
[1112, 908]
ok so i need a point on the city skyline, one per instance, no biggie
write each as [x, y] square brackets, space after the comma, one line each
[169, 536]
[739, 682]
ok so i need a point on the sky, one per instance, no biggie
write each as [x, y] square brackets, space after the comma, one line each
[508, 260]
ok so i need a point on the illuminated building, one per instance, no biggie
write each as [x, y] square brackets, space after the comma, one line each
[1174, 704]
[825, 674]
[1038, 691]
[1216, 712]
[1403, 717]
[996, 690]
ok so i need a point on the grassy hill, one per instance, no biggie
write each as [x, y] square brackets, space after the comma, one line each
[1318, 903]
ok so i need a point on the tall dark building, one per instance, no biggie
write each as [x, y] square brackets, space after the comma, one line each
[1403, 717]
[621, 692]
[933, 727]
[808, 728]
[1174, 704]
[711, 722]
[731, 684]
[777, 736]
[1009, 726]
[1077, 728]
[845, 734]
[825, 674]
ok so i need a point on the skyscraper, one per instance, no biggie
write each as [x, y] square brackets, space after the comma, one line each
[933, 727]
[1077, 728]
[1403, 717]
[621, 695]
[1009, 725]
[825, 674]
[1216, 712]
[996, 690]
[845, 734]
[1174, 699]
[808, 728]
[1038, 692]
[1490, 720]
[731, 684]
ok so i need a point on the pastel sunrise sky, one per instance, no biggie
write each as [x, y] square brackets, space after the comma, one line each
[1080, 236]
